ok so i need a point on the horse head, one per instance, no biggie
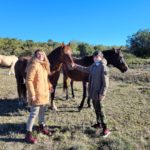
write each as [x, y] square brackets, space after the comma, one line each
[115, 58]
[66, 54]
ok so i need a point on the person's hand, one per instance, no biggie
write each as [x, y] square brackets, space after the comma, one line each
[101, 97]
[74, 65]
[33, 98]
[51, 90]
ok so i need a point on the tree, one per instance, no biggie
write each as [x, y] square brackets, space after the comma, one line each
[139, 43]
[85, 49]
[74, 46]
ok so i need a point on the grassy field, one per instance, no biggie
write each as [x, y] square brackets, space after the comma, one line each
[127, 106]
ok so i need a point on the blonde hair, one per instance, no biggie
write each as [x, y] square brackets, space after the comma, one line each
[45, 62]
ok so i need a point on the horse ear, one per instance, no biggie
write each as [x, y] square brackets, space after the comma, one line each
[69, 44]
[120, 48]
[63, 45]
[116, 51]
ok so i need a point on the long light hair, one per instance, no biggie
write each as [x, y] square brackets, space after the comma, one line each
[45, 62]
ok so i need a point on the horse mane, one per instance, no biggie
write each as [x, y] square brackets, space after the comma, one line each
[108, 55]
[53, 56]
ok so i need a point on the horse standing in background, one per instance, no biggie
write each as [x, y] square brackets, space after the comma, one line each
[20, 74]
[114, 57]
[8, 61]
[60, 55]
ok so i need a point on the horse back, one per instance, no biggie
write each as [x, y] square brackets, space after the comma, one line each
[20, 66]
[75, 74]
[7, 61]
[84, 61]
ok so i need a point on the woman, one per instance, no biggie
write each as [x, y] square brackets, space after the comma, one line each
[38, 88]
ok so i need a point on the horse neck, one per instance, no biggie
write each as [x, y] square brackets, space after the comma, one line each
[55, 60]
[108, 56]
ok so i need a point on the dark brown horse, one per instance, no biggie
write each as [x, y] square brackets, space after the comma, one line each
[114, 57]
[57, 57]
[20, 75]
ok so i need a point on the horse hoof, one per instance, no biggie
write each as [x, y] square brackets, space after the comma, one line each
[79, 108]
[67, 99]
[90, 107]
[53, 108]
[74, 98]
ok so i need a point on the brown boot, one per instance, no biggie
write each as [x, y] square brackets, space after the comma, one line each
[29, 138]
[43, 129]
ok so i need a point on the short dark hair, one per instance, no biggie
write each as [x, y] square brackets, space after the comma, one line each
[96, 53]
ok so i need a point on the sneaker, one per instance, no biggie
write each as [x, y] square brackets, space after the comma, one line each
[96, 126]
[30, 139]
[45, 131]
[105, 133]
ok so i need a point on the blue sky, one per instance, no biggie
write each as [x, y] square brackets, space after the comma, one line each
[106, 22]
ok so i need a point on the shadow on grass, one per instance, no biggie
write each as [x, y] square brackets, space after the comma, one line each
[117, 143]
[90, 132]
[70, 111]
[65, 106]
[61, 129]
[106, 144]
[10, 107]
[11, 128]
[12, 140]
[7, 131]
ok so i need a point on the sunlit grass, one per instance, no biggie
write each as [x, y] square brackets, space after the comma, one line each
[127, 109]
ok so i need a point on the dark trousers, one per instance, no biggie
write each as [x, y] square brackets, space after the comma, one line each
[100, 114]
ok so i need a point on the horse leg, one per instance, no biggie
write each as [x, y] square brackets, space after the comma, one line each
[11, 71]
[20, 82]
[53, 106]
[84, 96]
[19, 93]
[54, 80]
[72, 90]
[13, 68]
[18, 87]
[88, 102]
[24, 94]
[65, 84]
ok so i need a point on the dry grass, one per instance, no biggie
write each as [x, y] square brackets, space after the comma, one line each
[127, 108]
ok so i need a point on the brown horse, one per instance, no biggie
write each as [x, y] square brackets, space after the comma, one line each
[20, 74]
[57, 57]
[114, 57]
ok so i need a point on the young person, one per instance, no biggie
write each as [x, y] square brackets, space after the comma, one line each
[98, 85]
[38, 88]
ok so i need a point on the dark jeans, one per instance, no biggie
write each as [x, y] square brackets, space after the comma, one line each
[100, 114]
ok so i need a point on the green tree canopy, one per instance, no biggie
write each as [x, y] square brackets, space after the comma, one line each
[139, 43]
[85, 49]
